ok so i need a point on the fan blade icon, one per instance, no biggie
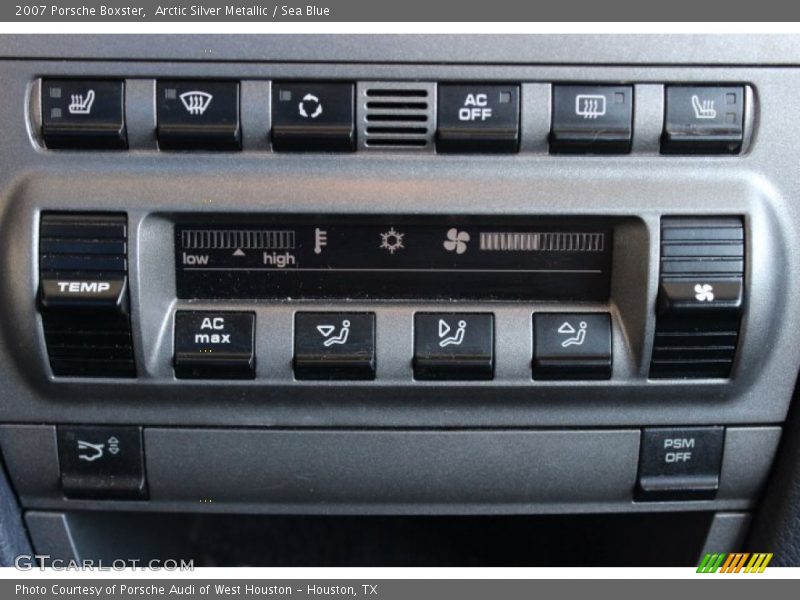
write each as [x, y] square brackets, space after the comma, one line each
[456, 241]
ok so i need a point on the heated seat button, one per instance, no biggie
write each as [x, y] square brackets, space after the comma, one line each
[329, 346]
[198, 115]
[313, 117]
[592, 119]
[453, 346]
[571, 346]
[478, 118]
[214, 345]
[83, 114]
[680, 463]
[101, 462]
[703, 120]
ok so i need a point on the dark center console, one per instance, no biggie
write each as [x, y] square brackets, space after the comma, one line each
[396, 287]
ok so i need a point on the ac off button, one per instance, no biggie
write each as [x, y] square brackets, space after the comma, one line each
[478, 118]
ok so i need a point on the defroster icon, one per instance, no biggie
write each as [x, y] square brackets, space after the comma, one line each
[196, 102]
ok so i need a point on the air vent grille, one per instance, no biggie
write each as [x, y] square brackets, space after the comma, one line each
[396, 116]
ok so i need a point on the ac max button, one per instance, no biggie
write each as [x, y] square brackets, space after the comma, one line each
[214, 345]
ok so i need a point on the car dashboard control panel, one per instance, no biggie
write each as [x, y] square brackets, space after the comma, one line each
[325, 116]
[395, 288]
[83, 295]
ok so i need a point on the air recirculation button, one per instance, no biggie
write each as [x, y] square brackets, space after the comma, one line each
[83, 294]
[700, 297]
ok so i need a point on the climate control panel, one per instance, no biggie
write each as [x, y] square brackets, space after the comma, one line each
[416, 287]
[263, 259]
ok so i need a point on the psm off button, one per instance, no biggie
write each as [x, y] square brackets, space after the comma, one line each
[680, 463]
[214, 345]
[478, 119]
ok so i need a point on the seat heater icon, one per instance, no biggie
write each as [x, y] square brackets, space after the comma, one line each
[340, 338]
[455, 339]
[80, 104]
[703, 109]
[196, 102]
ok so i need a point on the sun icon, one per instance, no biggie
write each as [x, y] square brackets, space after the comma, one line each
[392, 241]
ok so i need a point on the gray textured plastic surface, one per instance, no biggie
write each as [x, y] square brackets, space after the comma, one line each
[722, 49]
[13, 537]
[637, 190]
[726, 534]
[153, 187]
[391, 469]
[393, 472]
[50, 534]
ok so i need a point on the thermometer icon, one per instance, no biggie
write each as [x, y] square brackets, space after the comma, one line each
[320, 240]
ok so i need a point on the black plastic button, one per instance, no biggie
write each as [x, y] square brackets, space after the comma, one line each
[478, 118]
[198, 115]
[83, 294]
[703, 120]
[592, 119]
[214, 345]
[101, 462]
[313, 117]
[454, 346]
[330, 346]
[571, 346]
[700, 299]
[680, 463]
[83, 114]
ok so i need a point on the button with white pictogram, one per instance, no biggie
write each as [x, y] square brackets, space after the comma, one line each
[453, 346]
[591, 119]
[334, 346]
[84, 114]
[571, 346]
[703, 120]
[101, 462]
[198, 115]
[313, 117]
